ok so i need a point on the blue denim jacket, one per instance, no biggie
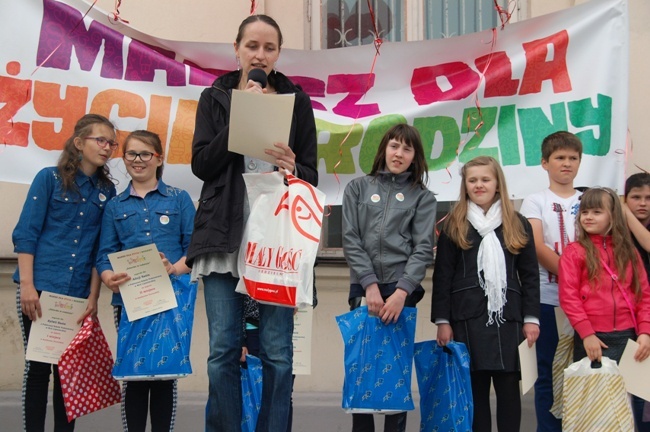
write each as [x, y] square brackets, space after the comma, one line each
[61, 229]
[165, 216]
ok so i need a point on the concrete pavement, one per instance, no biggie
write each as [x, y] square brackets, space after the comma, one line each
[313, 412]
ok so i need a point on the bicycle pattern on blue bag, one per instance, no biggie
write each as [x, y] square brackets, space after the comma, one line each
[443, 375]
[158, 346]
[378, 361]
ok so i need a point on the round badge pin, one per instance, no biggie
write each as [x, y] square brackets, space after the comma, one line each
[164, 219]
[102, 197]
[400, 196]
[375, 198]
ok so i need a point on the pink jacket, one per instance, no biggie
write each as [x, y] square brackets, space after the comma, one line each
[602, 308]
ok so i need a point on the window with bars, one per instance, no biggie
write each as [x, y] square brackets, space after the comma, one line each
[349, 22]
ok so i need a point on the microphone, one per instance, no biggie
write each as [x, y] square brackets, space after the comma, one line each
[259, 76]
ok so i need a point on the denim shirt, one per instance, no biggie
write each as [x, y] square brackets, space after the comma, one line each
[60, 229]
[165, 216]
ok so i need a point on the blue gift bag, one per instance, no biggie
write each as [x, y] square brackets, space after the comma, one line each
[445, 387]
[158, 346]
[378, 361]
[251, 391]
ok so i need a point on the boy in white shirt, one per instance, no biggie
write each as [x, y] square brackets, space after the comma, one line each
[552, 214]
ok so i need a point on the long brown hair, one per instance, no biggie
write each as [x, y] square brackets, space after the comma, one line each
[411, 137]
[624, 251]
[70, 158]
[151, 139]
[456, 224]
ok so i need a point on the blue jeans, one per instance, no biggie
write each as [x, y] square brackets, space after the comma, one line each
[224, 308]
[545, 347]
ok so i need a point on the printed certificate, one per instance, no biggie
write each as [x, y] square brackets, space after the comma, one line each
[51, 334]
[302, 322]
[150, 290]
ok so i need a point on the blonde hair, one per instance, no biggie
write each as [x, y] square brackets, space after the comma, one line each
[624, 251]
[456, 224]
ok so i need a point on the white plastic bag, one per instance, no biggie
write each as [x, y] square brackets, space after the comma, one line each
[280, 242]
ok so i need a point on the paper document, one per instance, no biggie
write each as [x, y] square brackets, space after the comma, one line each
[51, 334]
[528, 364]
[150, 290]
[258, 121]
[635, 374]
[302, 323]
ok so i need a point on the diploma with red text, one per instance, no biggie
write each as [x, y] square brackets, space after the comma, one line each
[150, 290]
[51, 334]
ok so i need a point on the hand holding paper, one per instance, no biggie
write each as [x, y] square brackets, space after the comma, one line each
[113, 280]
[148, 290]
[257, 122]
[643, 351]
[285, 158]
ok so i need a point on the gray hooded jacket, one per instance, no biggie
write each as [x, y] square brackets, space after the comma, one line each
[388, 230]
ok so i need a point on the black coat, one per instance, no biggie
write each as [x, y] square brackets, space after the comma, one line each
[459, 299]
[219, 221]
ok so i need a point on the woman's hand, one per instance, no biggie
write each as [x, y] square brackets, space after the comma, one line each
[393, 306]
[169, 267]
[254, 87]
[594, 347]
[531, 333]
[445, 334]
[285, 158]
[244, 352]
[29, 302]
[374, 300]
[114, 280]
[643, 351]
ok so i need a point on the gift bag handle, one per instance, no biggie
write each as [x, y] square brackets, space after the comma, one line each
[596, 364]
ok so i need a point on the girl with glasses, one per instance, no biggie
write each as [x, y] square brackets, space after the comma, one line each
[55, 239]
[147, 211]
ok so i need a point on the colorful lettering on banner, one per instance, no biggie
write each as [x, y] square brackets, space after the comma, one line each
[470, 99]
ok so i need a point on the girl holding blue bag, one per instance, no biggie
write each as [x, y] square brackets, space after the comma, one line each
[388, 221]
[56, 239]
[147, 211]
[486, 289]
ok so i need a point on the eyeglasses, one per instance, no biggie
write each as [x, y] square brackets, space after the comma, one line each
[103, 142]
[131, 156]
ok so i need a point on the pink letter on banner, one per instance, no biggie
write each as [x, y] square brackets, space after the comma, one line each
[143, 60]
[426, 90]
[498, 75]
[58, 21]
[356, 86]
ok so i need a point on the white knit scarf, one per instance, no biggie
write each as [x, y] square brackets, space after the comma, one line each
[491, 261]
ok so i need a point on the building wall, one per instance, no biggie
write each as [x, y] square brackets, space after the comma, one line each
[210, 21]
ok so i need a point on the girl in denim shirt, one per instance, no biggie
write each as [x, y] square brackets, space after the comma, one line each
[55, 240]
[148, 211]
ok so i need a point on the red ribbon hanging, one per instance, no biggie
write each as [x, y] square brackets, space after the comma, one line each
[115, 15]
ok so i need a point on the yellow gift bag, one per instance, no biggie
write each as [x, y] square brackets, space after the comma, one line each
[594, 398]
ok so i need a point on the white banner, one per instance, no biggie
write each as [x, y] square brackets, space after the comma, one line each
[563, 71]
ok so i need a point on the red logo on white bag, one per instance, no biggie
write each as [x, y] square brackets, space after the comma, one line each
[278, 258]
[304, 209]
